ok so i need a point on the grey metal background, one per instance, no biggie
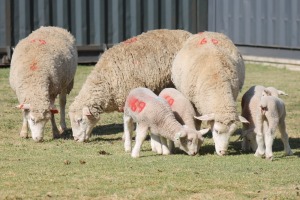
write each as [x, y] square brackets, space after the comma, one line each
[97, 24]
[263, 27]
[262, 23]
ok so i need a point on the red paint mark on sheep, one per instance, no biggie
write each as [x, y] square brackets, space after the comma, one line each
[131, 40]
[170, 100]
[214, 41]
[136, 105]
[200, 33]
[40, 41]
[33, 66]
[203, 41]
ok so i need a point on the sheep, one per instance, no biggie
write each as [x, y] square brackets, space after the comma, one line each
[272, 111]
[210, 73]
[142, 61]
[152, 112]
[251, 110]
[43, 65]
[184, 113]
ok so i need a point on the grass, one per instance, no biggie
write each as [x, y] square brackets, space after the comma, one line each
[100, 169]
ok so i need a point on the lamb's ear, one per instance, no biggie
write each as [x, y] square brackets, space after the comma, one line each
[203, 131]
[86, 111]
[243, 120]
[23, 106]
[266, 92]
[207, 117]
[282, 93]
[180, 135]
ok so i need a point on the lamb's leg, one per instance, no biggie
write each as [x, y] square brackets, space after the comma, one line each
[55, 131]
[285, 138]
[156, 143]
[24, 129]
[62, 105]
[128, 129]
[269, 138]
[260, 151]
[164, 144]
[171, 146]
[141, 133]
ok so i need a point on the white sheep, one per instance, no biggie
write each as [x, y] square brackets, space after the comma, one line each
[142, 61]
[272, 111]
[251, 104]
[210, 72]
[184, 113]
[152, 112]
[43, 65]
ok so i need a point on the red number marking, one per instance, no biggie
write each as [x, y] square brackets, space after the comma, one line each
[170, 100]
[136, 105]
[203, 41]
[214, 41]
[33, 66]
[131, 40]
[40, 41]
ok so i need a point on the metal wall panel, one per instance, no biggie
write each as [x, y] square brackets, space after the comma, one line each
[98, 24]
[268, 23]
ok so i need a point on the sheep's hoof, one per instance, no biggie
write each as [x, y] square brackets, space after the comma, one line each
[56, 136]
[259, 155]
[135, 155]
[127, 150]
[290, 153]
[24, 135]
[270, 158]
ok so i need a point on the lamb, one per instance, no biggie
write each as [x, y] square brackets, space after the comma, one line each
[43, 65]
[210, 72]
[142, 61]
[152, 112]
[252, 111]
[184, 113]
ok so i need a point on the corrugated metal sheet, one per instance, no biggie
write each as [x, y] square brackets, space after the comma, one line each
[97, 24]
[267, 23]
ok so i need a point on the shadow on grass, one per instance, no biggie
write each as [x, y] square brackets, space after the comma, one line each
[109, 129]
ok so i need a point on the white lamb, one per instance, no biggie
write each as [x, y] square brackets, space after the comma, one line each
[265, 111]
[210, 72]
[184, 113]
[142, 61]
[152, 112]
[43, 65]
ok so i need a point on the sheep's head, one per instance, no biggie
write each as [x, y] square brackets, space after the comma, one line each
[221, 132]
[82, 122]
[37, 119]
[190, 140]
[249, 140]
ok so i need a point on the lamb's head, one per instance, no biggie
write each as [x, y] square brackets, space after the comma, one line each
[190, 140]
[37, 119]
[271, 91]
[249, 140]
[82, 122]
[221, 132]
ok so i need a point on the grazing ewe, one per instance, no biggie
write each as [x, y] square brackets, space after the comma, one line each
[250, 103]
[184, 113]
[210, 72]
[152, 112]
[142, 61]
[43, 65]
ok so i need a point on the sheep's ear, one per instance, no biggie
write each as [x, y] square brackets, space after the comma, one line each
[282, 93]
[243, 120]
[266, 92]
[180, 135]
[203, 131]
[208, 117]
[86, 111]
[23, 106]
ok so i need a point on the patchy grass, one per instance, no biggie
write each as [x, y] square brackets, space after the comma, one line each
[100, 169]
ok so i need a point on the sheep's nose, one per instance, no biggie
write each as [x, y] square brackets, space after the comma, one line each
[38, 139]
[223, 153]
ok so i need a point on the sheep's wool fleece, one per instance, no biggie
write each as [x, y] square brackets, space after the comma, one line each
[210, 71]
[142, 61]
[43, 64]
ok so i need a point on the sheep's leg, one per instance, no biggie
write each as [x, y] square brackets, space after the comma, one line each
[260, 151]
[24, 129]
[62, 106]
[245, 141]
[164, 144]
[156, 143]
[128, 129]
[55, 131]
[171, 146]
[285, 138]
[269, 138]
[141, 133]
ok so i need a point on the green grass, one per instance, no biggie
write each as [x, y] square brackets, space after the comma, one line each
[100, 169]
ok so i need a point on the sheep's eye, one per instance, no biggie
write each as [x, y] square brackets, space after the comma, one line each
[79, 121]
[32, 120]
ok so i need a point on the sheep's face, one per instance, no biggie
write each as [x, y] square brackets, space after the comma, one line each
[221, 134]
[249, 141]
[82, 124]
[37, 122]
[190, 141]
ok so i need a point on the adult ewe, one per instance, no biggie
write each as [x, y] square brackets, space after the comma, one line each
[211, 75]
[142, 61]
[43, 65]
